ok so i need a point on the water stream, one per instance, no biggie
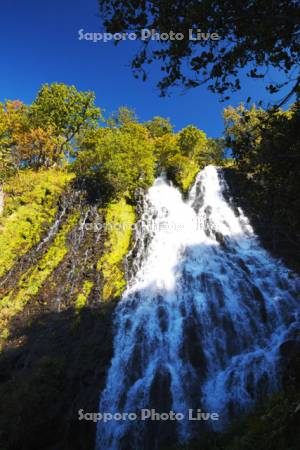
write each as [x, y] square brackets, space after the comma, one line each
[201, 321]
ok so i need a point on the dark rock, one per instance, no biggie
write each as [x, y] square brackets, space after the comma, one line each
[290, 364]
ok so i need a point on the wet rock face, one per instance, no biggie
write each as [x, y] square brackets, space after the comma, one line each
[290, 364]
[273, 231]
[55, 360]
[160, 433]
[55, 366]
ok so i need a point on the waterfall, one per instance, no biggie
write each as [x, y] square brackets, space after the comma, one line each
[201, 321]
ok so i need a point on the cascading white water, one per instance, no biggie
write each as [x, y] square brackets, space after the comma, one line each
[201, 321]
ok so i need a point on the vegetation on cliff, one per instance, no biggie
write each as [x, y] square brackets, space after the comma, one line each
[119, 221]
[265, 177]
[70, 185]
[30, 206]
[31, 281]
[57, 141]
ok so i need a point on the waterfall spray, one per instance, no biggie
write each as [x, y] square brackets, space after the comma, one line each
[201, 321]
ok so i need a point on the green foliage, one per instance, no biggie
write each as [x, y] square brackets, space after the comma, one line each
[265, 144]
[65, 109]
[166, 147]
[123, 116]
[159, 127]
[112, 161]
[191, 142]
[266, 147]
[124, 158]
[254, 34]
[213, 152]
[31, 200]
[119, 159]
[179, 155]
[243, 133]
[21, 143]
[6, 169]
[83, 295]
[182, 171]
[119, 221]
[30, 282]
[39, 135]
[228, 163]
[13, 120]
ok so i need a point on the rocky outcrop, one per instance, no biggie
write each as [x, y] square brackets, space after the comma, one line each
[290, 363]
[56, 331]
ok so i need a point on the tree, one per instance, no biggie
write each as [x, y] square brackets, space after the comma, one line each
[40, 134]
[38, 147]
[122, 117]
[257, 34]
[4, 145]
[181, 170]
[178, 155]
[5, 164]
[13, 120]
[191, 141]
[117, 160]
[166, 147]
[243, 134]
[266, 147]
[213, 152]
[159, 127]
[64, 110]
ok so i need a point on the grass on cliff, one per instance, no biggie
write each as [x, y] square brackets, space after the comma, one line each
[32, 280]
[83, 295]
[31, 200]
[119, 221]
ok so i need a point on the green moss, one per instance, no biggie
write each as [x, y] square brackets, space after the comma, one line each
[30, 282]
[120, 218]
[31, 200]
[187, 176]
[83, 295]
[182, 171]
[228, 163]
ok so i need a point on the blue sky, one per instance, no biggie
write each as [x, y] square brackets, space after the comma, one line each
[39, 44]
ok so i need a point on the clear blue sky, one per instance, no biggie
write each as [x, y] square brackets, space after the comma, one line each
[39, 44]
